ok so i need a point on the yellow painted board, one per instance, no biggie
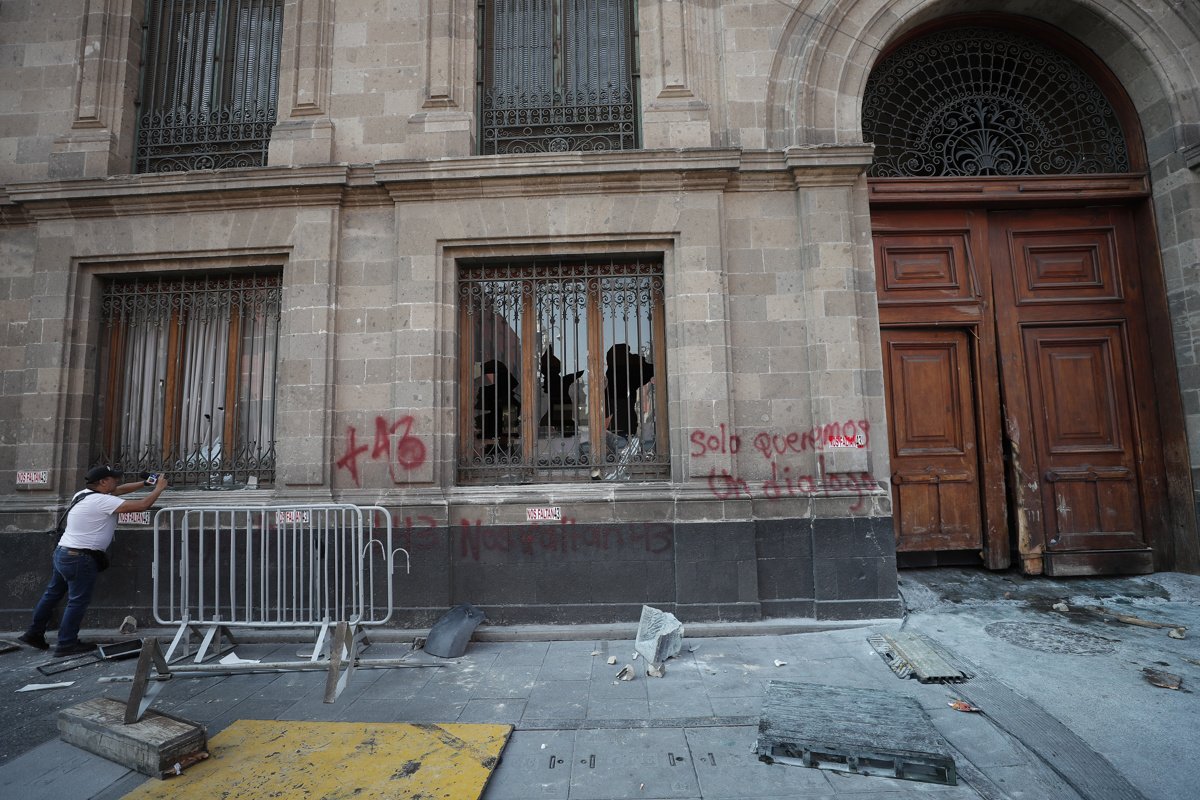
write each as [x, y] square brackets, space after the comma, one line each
[254, 759]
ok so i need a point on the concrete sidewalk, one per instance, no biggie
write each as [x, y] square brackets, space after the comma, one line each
[580, 734]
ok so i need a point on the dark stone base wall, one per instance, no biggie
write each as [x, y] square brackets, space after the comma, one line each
[823, 569]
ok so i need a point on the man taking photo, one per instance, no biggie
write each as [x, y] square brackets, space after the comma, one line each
[80, 555]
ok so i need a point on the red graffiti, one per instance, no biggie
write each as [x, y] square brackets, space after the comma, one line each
[782, 484]
[353, 451]
[726, 486]
[409, 453]
[537, 540]
[720, 442]
[420, 533]
[816, 438]
[772, 445]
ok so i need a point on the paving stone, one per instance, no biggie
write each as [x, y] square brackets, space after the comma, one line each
[557, 699]
[607, 708]
[535, 765]
[522, 653]
[489, 710]
[727, 768]
[507, 680]
[615, 764]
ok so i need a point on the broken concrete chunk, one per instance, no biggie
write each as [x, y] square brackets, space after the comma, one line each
[128, 625]
[779, 663]
[656, 670]
[1177, 633]
[626, 673]
[659, 635]
[1164, 680]
[1061, 607]
[612, 659]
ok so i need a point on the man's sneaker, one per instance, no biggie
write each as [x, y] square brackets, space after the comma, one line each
[37, 640]
[78, 648]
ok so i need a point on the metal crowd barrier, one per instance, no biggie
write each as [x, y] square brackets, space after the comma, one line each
[294, 566]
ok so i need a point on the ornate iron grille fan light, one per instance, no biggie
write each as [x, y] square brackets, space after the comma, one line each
[972, 102]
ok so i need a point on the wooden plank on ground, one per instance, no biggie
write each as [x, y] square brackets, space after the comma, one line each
[151, 746]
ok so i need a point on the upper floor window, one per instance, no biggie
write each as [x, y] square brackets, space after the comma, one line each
[186, 378]
[562, 373]
[558, 75]
[209, 85]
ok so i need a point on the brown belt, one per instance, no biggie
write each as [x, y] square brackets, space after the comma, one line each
[74, 552]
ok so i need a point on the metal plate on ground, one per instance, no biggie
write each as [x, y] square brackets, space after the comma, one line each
[910, 654]
[852, 730]
[260, 759]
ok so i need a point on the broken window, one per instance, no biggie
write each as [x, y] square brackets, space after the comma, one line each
[186, 378]
[562, 371]
[210, 84]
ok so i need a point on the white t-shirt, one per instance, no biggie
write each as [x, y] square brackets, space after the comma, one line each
[92, 522]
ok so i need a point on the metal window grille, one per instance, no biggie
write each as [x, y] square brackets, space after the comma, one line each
[562, 370]
[558, 75]
[210, 83]
[186, 382]
[976, 101]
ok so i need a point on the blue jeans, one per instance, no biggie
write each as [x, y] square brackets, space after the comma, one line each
[74, 578]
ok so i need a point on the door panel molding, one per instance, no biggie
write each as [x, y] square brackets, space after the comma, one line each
[1046, 304]
[934, 444]
[1073, 369]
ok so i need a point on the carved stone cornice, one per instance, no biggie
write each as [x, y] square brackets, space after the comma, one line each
[553, 174]
[181, 192]
[824, 165]
[11, 213]
[1051, 189]
[1191, 156]
[475, 177]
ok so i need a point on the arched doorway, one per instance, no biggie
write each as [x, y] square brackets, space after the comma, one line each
[1007, 191]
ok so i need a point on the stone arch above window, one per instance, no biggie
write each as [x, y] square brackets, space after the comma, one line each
[978, 101]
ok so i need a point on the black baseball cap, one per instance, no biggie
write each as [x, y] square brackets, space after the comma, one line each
[100, 473]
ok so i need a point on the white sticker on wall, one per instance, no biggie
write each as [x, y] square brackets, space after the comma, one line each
[544, 514]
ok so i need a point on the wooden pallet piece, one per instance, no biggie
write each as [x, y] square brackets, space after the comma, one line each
[152, 746]
[866, 731]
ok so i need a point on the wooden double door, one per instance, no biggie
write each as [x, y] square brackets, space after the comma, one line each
[1019, 389]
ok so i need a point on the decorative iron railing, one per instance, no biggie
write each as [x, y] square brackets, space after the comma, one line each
[974, 102]
[557, 122]
[169, 142]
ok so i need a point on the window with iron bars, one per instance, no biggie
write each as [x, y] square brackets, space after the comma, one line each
[209, 84]
[562, 372]
[186, 378]
[557, 75]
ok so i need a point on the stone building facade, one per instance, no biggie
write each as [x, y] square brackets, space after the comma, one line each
[393, 234]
